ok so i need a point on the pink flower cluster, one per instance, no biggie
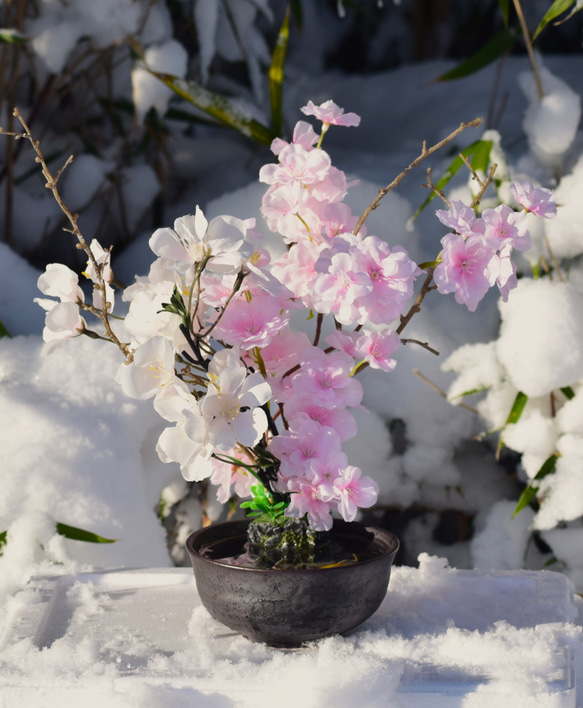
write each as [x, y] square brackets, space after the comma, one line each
[476, 254]
[211, 332]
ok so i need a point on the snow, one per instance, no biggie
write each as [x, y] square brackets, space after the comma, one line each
[74, 450]
[441, 638]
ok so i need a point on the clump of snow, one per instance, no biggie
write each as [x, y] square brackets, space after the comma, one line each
[18, 313]
[565, 231]
[535, 435]
[540, 344]
[502, 542]
[82, 180]
[550, 122]
[76, 452]
[562, 492]
[148, 91]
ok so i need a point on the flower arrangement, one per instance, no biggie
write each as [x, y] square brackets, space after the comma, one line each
[253, 403]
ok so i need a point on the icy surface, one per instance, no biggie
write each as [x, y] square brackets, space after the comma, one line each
[441, 637]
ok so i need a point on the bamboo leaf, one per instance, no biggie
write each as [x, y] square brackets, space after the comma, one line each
[556, 9]
[478, 154]
[221, 108]
[514, 416]
[3, 331]
[11, 36]
[494, 48]
[276, 74]
[505, 10]
[517, 407]
[81, 535]
[568, 392]
[3, 535]
[529, 493]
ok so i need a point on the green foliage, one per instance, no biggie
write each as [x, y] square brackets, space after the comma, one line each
[176, 306]
[528, 495]
[556, 9]
[222, 109]
[71, 532]
[276, 75]
[76, 534]
[262, 504]
[505, 10]
[3, 331]
[495, 47]
[514, 416]
[478, 154]
[11, 36]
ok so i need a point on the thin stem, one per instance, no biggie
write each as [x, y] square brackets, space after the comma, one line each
[425, 152]
[51, 183]
[528, 41]
[441, 392]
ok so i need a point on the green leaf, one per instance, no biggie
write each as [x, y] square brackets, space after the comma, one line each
[471, 392]
[81, 535]
[11, 36]
[276, 74]
[568, 392]
[505, 10]
[3, 331]
[221, 108]
[556, 9]
[68, 532]
[529, 493]
[514, 416]
[517, 407]
[494, 48]
[478, 154]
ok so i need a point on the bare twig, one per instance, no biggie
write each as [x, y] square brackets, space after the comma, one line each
[51, 183]
[553, 259]
[441, 392]
[438, 192]
[425, 152]
[484, 185]
[425, 345]
[416, 306]
[528, 41]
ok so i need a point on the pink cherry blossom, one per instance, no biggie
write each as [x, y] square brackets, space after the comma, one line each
[354, 491]
[304, 135]
[331, 114]
[464, 268]
[296, 447]
[376, 348]
[326, 379]
[503, 225]
[301, 408]
[251, 323]
[306, 499]
[538, 200]
[460, 218]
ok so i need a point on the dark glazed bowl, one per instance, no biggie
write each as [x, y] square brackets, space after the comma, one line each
[285, 608]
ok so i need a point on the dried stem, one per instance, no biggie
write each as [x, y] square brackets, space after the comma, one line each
[441, 392]
[425, 152]
[425, 345]
[438, 192]
[528, 41]
[51, 183]
[553, 259]
[416, 306]
[484, 185]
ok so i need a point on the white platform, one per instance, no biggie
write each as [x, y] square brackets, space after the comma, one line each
[134, 638]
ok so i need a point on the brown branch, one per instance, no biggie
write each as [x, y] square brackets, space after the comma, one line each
[416, 306]
[438, 192]
[51, 183]
[484, 185]
[441, 392]
[528, 41]
[425, 152]
[425, 345]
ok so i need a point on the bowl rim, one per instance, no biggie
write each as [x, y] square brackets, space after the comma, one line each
[385, 537]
